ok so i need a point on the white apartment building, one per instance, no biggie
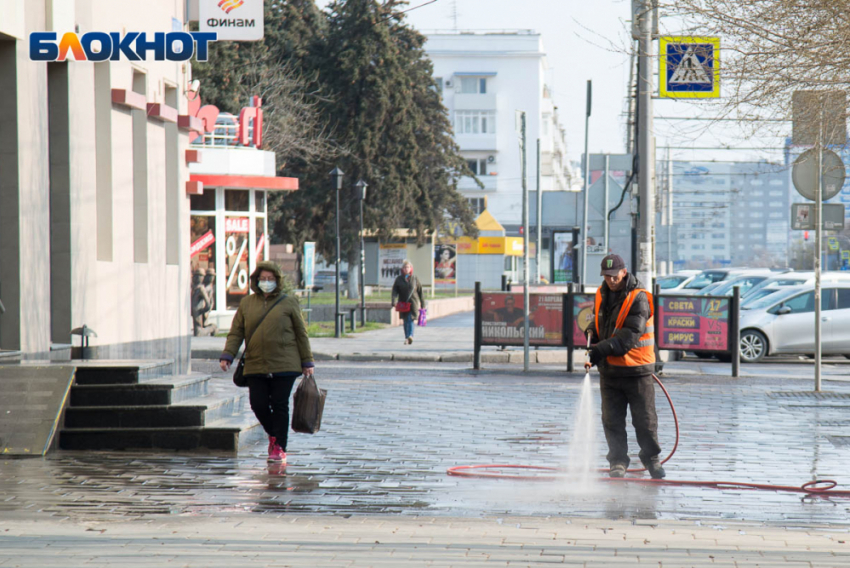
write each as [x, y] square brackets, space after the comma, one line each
[485, 77]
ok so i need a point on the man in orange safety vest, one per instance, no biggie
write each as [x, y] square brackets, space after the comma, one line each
[624, 352]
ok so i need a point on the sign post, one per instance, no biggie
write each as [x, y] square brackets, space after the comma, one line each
[819, 120]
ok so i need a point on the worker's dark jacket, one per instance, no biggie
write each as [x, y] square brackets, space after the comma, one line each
[627, 337]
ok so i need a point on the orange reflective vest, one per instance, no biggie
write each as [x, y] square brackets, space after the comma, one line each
[644, 352]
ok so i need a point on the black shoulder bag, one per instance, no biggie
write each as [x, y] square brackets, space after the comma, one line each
[239, 374]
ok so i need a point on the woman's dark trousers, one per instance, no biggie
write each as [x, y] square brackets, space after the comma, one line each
[269, 396]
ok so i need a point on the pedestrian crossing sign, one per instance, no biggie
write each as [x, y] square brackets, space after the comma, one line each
[690, 67]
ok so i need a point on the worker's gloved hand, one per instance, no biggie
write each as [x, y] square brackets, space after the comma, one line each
[594, 356]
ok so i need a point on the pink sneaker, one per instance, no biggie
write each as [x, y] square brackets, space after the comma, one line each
[272, 442]
[276, 454]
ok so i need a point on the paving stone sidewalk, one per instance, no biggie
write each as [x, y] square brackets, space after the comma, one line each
[396, 542]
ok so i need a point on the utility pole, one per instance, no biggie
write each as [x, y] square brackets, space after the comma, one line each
[669, 213]
[525, 271]
[539, 235]
[646, 226]
[818, 248]
[605, 219]
[586, 186]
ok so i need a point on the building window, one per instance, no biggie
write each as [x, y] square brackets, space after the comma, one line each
[776, 193]
[475, 122]
[756, 225]
[718, 247]
[439, 84]
[758, 193]
[697, 247]
[226, 131]
[718, 235]
[473, 85]
[776, 182]
[756, 214]
[757, 182]
[777, 215]
[478, 205]
[478, 166]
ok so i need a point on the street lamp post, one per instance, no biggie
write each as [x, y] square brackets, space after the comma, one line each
[336, 184]
[360, 195]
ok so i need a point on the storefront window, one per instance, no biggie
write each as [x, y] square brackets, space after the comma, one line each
[205, 202]
[260, 202]
[236, 200]
[202, 241]
[236, 233]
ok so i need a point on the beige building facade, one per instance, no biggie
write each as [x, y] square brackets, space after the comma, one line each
[94, 212]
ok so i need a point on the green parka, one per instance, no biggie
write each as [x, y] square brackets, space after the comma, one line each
[280, 344]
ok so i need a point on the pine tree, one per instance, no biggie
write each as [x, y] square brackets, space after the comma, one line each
[386, 114]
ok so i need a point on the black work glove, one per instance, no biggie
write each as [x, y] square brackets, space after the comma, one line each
[595, 356]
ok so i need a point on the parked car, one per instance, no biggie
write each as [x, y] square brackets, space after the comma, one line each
[784, 322]
[713, 275]
[674, 283]
[744, 281]
[795, 279]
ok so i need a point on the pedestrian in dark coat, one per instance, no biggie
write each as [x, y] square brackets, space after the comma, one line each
[407, 288]
[624, 352]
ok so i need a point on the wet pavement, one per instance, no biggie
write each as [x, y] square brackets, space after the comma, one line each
[391, 431]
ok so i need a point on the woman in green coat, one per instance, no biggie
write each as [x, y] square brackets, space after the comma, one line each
[277, 352]
[408, 289]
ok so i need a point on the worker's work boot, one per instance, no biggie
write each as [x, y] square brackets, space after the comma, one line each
[617, 470]
[654, 468]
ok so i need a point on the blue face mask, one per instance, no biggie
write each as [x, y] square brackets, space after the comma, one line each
[267, 286]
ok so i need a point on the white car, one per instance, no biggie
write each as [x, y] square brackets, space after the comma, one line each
[674, 283]
[784, 322]
[711, 276]
[745, 281]
[791, 279]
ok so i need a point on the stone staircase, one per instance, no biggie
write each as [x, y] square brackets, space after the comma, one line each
[131, 405]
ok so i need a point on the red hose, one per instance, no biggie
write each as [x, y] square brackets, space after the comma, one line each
[819, 487]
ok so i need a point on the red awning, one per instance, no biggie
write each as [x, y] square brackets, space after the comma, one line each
[247, 182]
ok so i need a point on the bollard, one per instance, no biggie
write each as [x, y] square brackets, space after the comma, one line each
[353, 318]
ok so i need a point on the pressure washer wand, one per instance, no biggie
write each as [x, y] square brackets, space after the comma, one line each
[587, 364]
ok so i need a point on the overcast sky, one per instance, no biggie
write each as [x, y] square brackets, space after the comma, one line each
[588, 39]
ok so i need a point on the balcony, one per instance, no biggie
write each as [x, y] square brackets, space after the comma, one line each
[487, 101]
[467, 184]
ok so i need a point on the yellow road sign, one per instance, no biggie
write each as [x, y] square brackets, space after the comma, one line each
[690, 67]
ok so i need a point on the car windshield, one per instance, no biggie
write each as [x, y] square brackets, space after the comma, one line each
[704, 280]
[756, 296]
[774, 283]
[708, 290]
[671, 281]
[744, 283]
[768, 301]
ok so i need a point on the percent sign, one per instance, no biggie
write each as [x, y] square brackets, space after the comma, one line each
[243, 274]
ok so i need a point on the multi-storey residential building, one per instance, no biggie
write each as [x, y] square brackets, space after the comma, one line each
[733, 213]
[485, 77]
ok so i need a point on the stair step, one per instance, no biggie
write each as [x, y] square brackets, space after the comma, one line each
[193, 412]
[162, 390]
[227, 434]
[113, 372]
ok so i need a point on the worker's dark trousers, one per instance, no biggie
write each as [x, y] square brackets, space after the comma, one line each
[637, 393]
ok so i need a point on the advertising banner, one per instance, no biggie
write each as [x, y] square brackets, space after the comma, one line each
[309, 266]
[445, 264]
[563, 257]
[390, 258]
[502, 319]
[232, 20]
[693, 323]
[583, 305]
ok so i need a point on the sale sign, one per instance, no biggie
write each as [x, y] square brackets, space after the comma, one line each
[693, 323]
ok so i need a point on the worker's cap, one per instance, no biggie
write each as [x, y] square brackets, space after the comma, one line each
[612, 265]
